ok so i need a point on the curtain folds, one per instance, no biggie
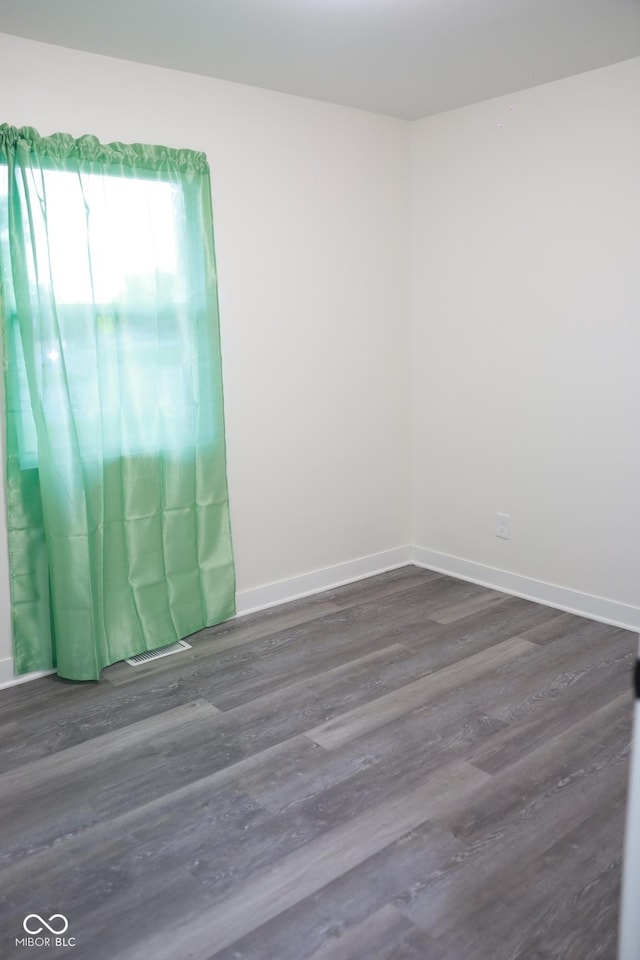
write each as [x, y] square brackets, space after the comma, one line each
[117, 503]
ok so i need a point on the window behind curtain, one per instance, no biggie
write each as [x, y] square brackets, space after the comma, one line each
[130, 285]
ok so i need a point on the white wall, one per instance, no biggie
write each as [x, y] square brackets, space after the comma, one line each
[526, 334]
[311, 210]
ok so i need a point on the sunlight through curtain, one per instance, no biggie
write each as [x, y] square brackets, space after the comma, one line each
[118, 519]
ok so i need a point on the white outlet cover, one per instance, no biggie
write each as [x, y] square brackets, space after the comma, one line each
[502, 525]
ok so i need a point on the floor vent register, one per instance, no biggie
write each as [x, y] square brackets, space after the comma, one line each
[148, 655]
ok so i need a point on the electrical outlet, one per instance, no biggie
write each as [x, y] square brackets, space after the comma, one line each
[502, 525]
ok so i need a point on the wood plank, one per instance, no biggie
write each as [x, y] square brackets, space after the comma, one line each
[520, 920]
[333, 733]
[511, 617]
[401, 753]
[578, 756]
[339, 638]
[371, 590]
[542, 716]
[306, 870]
[578, 659]
[385, 935]
[93, 842]
[65, 793]
[483, 600]
[32, 776]
[520, 814]
[334, 910]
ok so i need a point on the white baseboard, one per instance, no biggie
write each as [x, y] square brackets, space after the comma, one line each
[562, 598]
[259, 598]
[7, 678]
[249, 601]
[6, 671]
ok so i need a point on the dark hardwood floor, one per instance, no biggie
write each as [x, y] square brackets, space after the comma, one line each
[405, 768]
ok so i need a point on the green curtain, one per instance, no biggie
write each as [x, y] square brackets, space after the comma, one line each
[118, 519]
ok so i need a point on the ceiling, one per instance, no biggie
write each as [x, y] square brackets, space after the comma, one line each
[405, 58]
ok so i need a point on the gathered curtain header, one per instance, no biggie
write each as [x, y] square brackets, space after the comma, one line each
[60, 147]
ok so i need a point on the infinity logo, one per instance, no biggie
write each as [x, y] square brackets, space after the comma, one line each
[47, 924]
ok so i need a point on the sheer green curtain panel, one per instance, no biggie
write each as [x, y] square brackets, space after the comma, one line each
[117, 502]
